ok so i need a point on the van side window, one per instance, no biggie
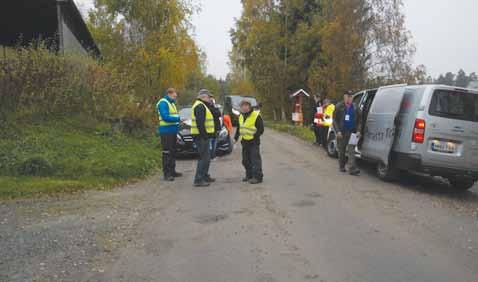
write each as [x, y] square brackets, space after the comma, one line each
[454, 105]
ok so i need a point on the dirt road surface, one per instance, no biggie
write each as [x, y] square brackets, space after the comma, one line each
[306, 222]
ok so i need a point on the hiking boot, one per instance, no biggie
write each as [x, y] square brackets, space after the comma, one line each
[246, 179]
[177, 174]
[209, 179]
[342, 169]
[201, 184]
[254, 181]
[355, 172]
[169, 178]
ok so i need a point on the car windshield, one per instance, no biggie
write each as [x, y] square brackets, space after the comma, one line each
[236, 101]
[185, 113]
[454, 105]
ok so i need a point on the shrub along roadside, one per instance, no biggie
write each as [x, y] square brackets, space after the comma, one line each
[71, 154]
[302, 132]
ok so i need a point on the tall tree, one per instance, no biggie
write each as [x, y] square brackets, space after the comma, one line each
[462, 80]
[150, 40]
[323, 46]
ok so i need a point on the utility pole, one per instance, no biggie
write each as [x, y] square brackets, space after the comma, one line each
[286, 11]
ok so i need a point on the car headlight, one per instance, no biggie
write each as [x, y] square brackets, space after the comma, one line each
[236, 112]
[223, 134]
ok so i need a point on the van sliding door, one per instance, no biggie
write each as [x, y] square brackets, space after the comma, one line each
[380, 128]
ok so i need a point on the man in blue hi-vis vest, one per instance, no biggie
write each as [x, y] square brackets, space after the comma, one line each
[168, 129]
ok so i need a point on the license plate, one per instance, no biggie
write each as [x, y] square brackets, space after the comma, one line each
[443, 146]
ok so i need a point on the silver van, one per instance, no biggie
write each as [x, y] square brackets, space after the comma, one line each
[431, 129]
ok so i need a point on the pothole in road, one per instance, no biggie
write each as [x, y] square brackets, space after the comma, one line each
[314, 195]
[210, 218]
[304, 203]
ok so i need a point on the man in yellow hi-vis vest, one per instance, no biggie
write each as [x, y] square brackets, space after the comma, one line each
[326, 121]
[203, 129]
[168, 129]
[250, 129]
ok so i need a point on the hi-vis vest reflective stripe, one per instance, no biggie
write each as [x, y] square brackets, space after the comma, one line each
[248, 127]
[209, 123]
[173, 112]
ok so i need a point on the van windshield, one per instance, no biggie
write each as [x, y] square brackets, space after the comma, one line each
[454, 105]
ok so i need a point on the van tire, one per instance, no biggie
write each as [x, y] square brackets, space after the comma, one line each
[461, 183]
[332, 147]
[387, 173]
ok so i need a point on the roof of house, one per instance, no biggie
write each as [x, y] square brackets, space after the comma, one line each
[23, 21]
[300, 92]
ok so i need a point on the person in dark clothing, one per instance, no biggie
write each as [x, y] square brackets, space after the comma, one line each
[216, 113]
[250, 129]
[347, 121]
[168, 128]
[317, 130]
[203, 129]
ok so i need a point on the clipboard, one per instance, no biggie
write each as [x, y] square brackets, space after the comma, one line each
[353, 139]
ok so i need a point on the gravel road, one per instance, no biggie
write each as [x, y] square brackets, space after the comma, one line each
[306, 222]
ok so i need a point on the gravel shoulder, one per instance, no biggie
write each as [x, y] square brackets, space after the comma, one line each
[306, 222]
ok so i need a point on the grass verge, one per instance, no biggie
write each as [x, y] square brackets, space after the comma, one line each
[71, 154]
[302, 132]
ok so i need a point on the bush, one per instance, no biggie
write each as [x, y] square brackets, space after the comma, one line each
[36, 166]
[35, 81]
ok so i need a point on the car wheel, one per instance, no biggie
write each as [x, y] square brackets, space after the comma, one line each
[332, 147]
[387, 172]
[461, 183]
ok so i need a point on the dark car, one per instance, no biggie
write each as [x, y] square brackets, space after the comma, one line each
[232, 106]
[185, 141]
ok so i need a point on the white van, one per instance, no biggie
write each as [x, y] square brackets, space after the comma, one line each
[430, 129]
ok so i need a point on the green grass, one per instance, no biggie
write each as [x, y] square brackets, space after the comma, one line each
[302, 132]
[79, 154]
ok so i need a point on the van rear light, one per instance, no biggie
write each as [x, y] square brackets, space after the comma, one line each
[419, 131]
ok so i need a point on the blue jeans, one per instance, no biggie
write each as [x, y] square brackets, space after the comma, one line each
[202, 170]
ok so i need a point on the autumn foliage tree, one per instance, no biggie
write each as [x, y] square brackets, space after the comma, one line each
[150, 40]
[323, 46]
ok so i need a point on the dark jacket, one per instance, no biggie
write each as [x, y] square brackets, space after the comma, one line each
[260, 130]
[216, 113]
[200, 113]
[339, 117]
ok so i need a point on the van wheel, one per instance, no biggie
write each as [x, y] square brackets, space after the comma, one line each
[332, 147]
[387, 172]
[461, 183]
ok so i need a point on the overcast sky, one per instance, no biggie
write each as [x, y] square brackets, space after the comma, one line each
[444, 32]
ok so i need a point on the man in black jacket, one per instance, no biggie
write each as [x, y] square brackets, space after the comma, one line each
[250, 129]
[216, 113]
[347, 121]
[317, 131]
[203, 129]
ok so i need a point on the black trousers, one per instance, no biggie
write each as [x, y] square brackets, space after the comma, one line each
[168, 142]
[317, 133]
[324, 130]
[251, 160]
